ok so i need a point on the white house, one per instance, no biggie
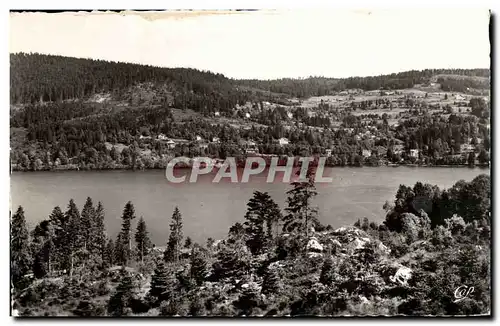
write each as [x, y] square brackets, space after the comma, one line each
[328, 152]
[414, 153]
[283, 141]
[247, 115]
[162, 137]
[367, 153]
[198, 138]
[459, 97]
[216, 140]
[466, 148]
[217, 113]
[144, 137]
[171, 144]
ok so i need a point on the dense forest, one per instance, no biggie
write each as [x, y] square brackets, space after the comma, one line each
[319, 86]
[37, 77]
[273, 263]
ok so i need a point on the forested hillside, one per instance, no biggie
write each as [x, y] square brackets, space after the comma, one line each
[274, 263]
[37, 77]
[69, 113]
[319, 86]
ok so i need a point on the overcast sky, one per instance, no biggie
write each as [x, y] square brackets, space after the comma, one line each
[266, 44]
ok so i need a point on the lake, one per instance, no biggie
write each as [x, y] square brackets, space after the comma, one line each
[209, 209]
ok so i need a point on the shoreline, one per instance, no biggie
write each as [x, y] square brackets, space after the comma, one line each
[482, 166]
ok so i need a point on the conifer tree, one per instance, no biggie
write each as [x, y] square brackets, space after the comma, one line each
[300, 213]
[73, 242]
[125, 234]
[159, 284]
[198, 266]
[232, 261]
[142, 240]
[188, 243]
[19, 246]
[119, 303]
[119, 251]
[59, 223]
[87, 218]
[172, 252]
[326, 276]
[262, 211]
[109, 254]
[271, 282]
[86, 224]
[99, 232]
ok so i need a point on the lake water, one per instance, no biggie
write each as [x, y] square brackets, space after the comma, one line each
[209, 209]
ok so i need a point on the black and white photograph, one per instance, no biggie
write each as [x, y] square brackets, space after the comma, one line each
[246, 163]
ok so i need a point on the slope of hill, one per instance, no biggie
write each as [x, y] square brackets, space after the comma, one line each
[37, 77]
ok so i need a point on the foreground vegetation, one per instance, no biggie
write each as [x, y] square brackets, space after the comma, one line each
[274, 263]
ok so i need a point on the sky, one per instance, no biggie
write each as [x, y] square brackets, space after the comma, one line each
[267, 44]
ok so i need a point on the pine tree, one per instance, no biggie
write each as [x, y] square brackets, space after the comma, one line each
[198, 266]
[119, 303]
[172, 252]
[87, 219]
[232, 261]
[119, 251]
[86, 224]
[59, 223]
[125, 234]
[159, 284]
[99, 232]
[19, 247]
[271, 282]
[74, 236]
[300, 213]
[262, 210]
[40, 249]
[109, 254]
[142, 240]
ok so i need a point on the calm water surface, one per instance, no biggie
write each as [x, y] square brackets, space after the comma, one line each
[209, 209]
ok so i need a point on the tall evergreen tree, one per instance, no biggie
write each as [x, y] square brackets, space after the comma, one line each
[198, 266]
[126, 238]
[119, 304]
[99, 232]
[159, 284]
[59, 224]
[119, 251]
[87, 219]
[326, 276]
[271, 282]
[109, 254]
[262, 212]
[142, 240]
[74, 236]
[86, 224]
[20, 260]
[172, 252]
[300, 213]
